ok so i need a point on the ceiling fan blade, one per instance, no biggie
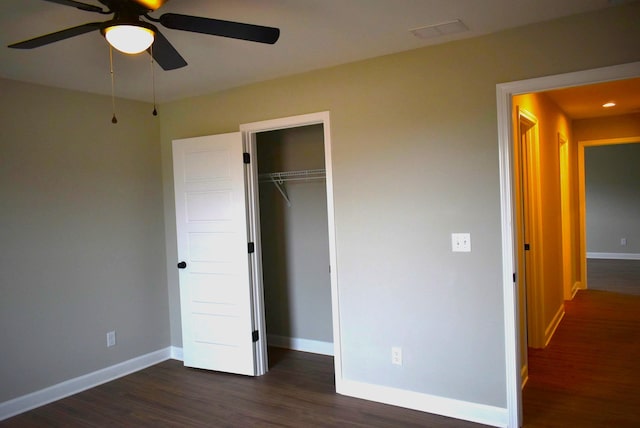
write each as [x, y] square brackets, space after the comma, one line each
[57, 36]
[78, 5]
[165, 54]
[217, 27]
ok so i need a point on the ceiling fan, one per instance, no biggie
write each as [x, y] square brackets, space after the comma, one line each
[127, 27]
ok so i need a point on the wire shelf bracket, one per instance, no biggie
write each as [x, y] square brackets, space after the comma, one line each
[279, 178]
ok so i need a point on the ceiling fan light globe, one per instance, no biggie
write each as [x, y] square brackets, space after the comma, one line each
[130, 39]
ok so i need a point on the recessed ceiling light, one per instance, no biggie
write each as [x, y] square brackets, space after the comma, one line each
[441, 29]
[609, 104]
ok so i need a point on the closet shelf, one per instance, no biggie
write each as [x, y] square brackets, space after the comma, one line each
[279, 178]
[307, 174]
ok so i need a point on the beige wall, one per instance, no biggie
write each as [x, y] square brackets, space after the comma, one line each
[415, 158]
[608, 127]
[82, 239]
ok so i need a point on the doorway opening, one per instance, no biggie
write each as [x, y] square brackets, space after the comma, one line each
[582, 192]
[294, 239]
[291, 220]
[504, 93]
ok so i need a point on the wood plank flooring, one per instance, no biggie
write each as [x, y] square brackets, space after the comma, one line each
[589, 375]
[298, 391]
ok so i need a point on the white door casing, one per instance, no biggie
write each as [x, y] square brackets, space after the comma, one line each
[211, 223]
[249, 131]
[504, 93]
[531, 271]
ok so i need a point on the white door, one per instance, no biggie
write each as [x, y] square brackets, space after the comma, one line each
[211, 221]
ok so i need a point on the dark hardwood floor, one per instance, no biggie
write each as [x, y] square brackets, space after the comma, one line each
[298, 391]
[588, 376]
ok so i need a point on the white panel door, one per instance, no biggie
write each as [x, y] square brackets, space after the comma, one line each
[211, 221]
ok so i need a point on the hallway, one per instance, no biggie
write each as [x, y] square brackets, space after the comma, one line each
[588, 375]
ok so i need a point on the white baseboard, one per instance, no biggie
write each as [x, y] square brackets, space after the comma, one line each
[614, 256]
[81, 383]
[176, 353]
[474, 412]
[553, 325]
[524, 375]
[297, 344]
[576, 286]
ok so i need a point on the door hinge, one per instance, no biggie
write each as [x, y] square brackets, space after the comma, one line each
[246, 158]
[514, 277]
[255, 336]
[527, 247]
[251, 247]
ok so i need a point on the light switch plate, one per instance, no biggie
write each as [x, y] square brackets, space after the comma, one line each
[461, 242]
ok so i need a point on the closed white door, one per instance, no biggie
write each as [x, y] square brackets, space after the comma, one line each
[215, 289]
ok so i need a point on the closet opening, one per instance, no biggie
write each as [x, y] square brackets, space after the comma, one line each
[294, 238]
[291, 220]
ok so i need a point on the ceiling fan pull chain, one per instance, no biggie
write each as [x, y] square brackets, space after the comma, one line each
[114, 120]
[153, 82]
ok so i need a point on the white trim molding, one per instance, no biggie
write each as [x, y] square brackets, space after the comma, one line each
[298, 344]
[81, 383]
[465, 410]
[576, 286]
[176, 353]
[524, 375]
[553, 325]
[613, 256]
[248, 131]
[504, 93]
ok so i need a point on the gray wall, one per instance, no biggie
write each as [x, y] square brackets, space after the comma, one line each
[415, 158]
[612, 187]
[295, 242]
[82, 238]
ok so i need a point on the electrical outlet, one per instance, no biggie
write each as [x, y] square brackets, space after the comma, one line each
[623, 241]
[396, 356]
[111, 339]
[461, 242]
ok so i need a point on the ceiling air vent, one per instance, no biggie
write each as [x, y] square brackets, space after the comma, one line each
[439, 30]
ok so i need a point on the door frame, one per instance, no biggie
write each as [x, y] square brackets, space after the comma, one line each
[530, 232]
[582, 195]
[249, 131]
[569, 286]
[504, 94]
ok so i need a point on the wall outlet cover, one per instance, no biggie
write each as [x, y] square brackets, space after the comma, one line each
[111, 339]
[461, 242]
[396, 356]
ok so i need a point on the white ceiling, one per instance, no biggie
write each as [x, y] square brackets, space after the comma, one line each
[314, 34]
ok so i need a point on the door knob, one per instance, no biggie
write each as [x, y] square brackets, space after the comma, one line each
[182, 265]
